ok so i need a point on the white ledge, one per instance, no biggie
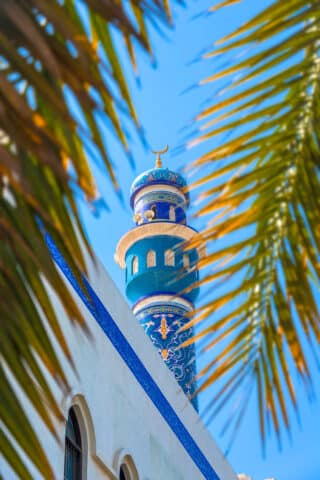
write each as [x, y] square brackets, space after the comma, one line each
[151, 229]
[154, 299]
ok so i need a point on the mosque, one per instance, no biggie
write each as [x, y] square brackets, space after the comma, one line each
[131, 413]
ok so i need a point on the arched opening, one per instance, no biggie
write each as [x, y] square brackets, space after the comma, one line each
[128, 470]
[172, 213]
[124, 473]
[73, 449]
[154, 209]
[135, 265]
[169, 258]
[124, 465]
[151, 258]
[186, 261]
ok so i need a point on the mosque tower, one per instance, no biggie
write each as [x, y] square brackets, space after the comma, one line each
[158, 270]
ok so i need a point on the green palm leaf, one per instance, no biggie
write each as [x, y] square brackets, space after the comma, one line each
[49, 51]
[261, 193]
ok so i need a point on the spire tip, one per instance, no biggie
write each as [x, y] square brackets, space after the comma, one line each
[158, 157]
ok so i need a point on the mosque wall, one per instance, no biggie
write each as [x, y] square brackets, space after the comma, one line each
[120, 421]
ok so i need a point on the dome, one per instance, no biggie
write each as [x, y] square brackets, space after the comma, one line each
[158, 176]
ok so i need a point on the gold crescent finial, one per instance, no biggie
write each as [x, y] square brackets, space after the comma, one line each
[159, 153]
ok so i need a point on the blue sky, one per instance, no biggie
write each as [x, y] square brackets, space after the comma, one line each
[164, 111]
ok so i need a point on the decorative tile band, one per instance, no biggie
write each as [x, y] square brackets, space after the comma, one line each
[159, 189]
[124, 349]
[160, 299]
[162, 324]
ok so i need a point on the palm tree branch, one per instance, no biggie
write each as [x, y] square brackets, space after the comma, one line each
[262, 189]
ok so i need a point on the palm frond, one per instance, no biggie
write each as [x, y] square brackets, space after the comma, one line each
[53, 56]
[260, 191]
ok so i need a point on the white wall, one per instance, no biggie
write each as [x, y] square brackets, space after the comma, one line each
[117, 416]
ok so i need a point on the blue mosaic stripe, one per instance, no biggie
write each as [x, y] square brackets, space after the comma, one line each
[119, 341]
[162, 323]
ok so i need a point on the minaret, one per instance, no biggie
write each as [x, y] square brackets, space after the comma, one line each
[158, 270]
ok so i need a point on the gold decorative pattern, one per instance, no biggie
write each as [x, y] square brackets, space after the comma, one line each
[163, 327]
[164, 354]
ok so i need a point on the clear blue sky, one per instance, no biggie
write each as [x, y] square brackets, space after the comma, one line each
[163, 112]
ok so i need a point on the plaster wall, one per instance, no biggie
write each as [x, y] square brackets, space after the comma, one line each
[117, 418]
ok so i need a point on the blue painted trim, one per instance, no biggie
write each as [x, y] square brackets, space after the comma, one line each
[124, 349]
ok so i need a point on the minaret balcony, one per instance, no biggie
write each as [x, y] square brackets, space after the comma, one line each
[152, 229]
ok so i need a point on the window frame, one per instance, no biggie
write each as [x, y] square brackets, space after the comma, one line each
[134, 265]
[172, 213]
[151, 258]
[124, 473]
[186, 261]
[71, 446]
[127, 469]
[169, 258]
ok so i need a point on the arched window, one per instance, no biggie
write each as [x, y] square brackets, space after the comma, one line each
[128, 469]
[134, 265]
[169, 257]
[186, 261]
[124, 473]
[151, 258]
[73, 449]
[172, 213]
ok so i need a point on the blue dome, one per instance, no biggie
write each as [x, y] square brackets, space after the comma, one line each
[158, 176]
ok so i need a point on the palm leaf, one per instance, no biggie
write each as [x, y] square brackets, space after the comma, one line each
[47, 54]
[260, 191]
